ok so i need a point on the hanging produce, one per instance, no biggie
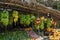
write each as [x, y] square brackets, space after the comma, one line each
[15, 16]
[53, 23]
[48, 22]
[10, 20]
[32, 17]
[37, 24]
[38, 21]
[37, 27]
[28, 19]
[42, 23]
[22, 19]
[5, 17]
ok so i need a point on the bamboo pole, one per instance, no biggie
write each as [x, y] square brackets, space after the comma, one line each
[39, 8]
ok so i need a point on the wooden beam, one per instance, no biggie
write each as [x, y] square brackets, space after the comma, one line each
[39, 9]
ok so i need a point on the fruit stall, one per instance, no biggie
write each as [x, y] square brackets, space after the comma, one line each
[20, 21]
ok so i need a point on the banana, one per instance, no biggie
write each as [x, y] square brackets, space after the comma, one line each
[5, 17]
[15, 16]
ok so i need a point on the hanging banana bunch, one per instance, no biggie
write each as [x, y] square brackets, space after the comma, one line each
[42, 22]
[32, 17]
[22, 19]
[48, 22]
[15, 16]
[10, 20]
[28, 19]
[5, 17]
[37, 23]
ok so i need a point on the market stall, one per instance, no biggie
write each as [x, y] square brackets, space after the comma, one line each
[32, 18]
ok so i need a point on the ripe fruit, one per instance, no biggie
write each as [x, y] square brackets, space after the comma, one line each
[42, 18]
[15, 16]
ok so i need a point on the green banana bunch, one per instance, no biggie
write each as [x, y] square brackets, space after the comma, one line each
[32, 18]
[5, 17]
[11, 20]
[22, 19]
[42, 24]
[28, 20]
[48, 22]
[37, 27]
